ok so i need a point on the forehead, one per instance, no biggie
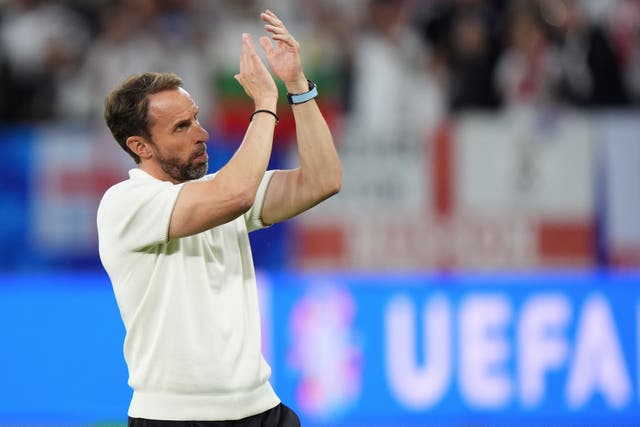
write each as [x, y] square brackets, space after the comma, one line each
[170, 104]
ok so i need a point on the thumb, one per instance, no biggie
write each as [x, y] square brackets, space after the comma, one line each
[265, 42]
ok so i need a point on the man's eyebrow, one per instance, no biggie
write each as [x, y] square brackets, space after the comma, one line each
[184, 120]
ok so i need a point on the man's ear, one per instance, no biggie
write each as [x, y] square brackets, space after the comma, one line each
[139, 146]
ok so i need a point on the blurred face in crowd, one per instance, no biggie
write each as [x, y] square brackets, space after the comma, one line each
[177, 139]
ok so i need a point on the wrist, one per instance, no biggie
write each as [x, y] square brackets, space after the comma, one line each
[266, 105]
[299, 85]
[270, 112]
[301, 97]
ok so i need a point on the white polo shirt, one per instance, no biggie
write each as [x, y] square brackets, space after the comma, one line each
[189, 306]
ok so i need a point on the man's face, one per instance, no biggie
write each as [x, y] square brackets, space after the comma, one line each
[177, 139]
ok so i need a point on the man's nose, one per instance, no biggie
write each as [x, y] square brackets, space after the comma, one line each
[203, 135]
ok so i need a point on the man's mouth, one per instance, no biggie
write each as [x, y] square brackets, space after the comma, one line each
[201, 155]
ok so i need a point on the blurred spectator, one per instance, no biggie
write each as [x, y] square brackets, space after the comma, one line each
[392, 91]
[591, 73]
[624, 24]
[396, 104]
[59, 57]
[39, 40]
[527, 71]
[136, 36]
[128, 42]
[466, 35]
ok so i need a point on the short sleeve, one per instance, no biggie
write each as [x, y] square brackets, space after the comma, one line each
[137, 215]
[253, 217]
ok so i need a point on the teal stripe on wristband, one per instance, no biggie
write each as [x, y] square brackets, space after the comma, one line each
[300, 98]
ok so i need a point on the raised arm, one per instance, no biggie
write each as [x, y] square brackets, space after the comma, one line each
[202, 205]
[319, 176]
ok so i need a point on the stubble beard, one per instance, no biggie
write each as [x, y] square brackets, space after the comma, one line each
[182, 171]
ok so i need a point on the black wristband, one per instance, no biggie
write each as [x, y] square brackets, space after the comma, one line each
[265, 111]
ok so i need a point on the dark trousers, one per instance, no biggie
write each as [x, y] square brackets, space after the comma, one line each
[280, 416]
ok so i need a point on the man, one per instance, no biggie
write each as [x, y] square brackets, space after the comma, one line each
[174, 242]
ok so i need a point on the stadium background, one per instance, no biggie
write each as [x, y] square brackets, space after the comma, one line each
[479, 267]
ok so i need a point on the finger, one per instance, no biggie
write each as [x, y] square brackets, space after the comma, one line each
[250, 48]
[285, 38]
[252, 58]
[244, 54]
[271, 14]
[266, 45]
[275, 30]
[272, 19]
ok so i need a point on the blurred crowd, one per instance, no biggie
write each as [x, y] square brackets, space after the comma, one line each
[59, 58]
